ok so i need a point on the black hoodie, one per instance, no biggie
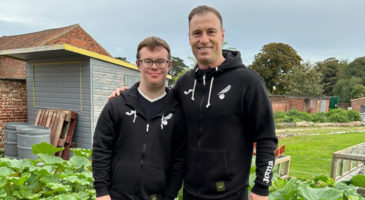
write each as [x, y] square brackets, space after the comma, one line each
[138, 158]
[226, 109]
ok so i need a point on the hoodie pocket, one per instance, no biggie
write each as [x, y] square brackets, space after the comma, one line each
[124, 174]
[153, 179]
[214, 164]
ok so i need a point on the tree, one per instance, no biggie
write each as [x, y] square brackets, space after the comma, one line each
[178, 66]
[274, 63]
[357, 69]
[358, 91]
[304, 81]
[224, 46]
[121, 58]
[332, 70]
[348, 88]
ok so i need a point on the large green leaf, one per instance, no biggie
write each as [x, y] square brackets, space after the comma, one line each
[33, 181]
[2, 193]
[286, 190]
[86, 153]
[351, 197]
[326, 193]
[51, 179]
[59, 187]
[49, 159]
[5, 171]
[82, 195]
[77, 179]
[77, 162]
[19, 181]
[277, 185]
[65, 196]
[20, 165]
[358, 180]
[349, 191]
[45, 148]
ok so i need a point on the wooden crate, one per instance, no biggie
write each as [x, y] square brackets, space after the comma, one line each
[282, 166]
[282, 162]
[62, 124]
[348, 162]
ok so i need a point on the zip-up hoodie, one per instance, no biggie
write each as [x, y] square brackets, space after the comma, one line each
[135, 158]
[226, 109]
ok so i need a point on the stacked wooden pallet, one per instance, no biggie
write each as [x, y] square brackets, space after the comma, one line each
[62, 124]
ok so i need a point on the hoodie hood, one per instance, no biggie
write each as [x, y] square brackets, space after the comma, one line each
[232, 61]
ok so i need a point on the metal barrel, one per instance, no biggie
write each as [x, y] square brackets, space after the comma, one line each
[10, 139]
[29, 136]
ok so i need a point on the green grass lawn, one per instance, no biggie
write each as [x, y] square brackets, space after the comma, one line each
[312, 155]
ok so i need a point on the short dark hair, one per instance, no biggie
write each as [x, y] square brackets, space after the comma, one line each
[152, 43]
[203, 9]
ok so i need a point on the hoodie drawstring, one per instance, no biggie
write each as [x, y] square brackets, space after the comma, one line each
[192, 95]
[210, 89]
[210, 92]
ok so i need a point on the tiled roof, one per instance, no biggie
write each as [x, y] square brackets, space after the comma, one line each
[73, 35]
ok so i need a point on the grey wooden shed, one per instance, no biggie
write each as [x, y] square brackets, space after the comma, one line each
[71, 78]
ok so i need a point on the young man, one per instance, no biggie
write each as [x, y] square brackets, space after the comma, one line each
[138, 150]
[226, 110]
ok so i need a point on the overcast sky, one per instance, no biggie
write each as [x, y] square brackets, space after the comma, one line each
[316, 29]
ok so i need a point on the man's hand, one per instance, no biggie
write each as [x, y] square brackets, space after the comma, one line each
[106, 197]
[117, 91]
[254, 196]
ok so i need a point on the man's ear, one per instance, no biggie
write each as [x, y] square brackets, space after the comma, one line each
[223, 35]
[170, 63]
[138, 64]
[169, 66]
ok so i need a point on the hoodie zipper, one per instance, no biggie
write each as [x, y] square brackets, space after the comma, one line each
[143, 154]
[204, 79]
[199, 138]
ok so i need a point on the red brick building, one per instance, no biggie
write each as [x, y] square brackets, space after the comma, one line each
[358, 104]
[304, 104]
[13, 105]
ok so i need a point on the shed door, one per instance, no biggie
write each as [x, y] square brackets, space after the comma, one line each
[323, 106]
[362, 109]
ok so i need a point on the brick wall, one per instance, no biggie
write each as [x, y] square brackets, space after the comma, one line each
[279, 103]
[357, 103]
[12, 68]
[13, 103]
[297, 104]
[286, 103]
[79, 38]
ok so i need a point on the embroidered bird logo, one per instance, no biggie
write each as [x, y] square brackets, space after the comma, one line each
[164, 120]
[221, 94]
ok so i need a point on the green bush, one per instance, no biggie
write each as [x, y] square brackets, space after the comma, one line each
[278, 116]
[297, 116]
[353, 116]
[337, 115]
[319, 117]
[333, 115]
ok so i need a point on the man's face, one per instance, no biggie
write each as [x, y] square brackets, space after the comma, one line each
[206, 38]
[153, 76]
